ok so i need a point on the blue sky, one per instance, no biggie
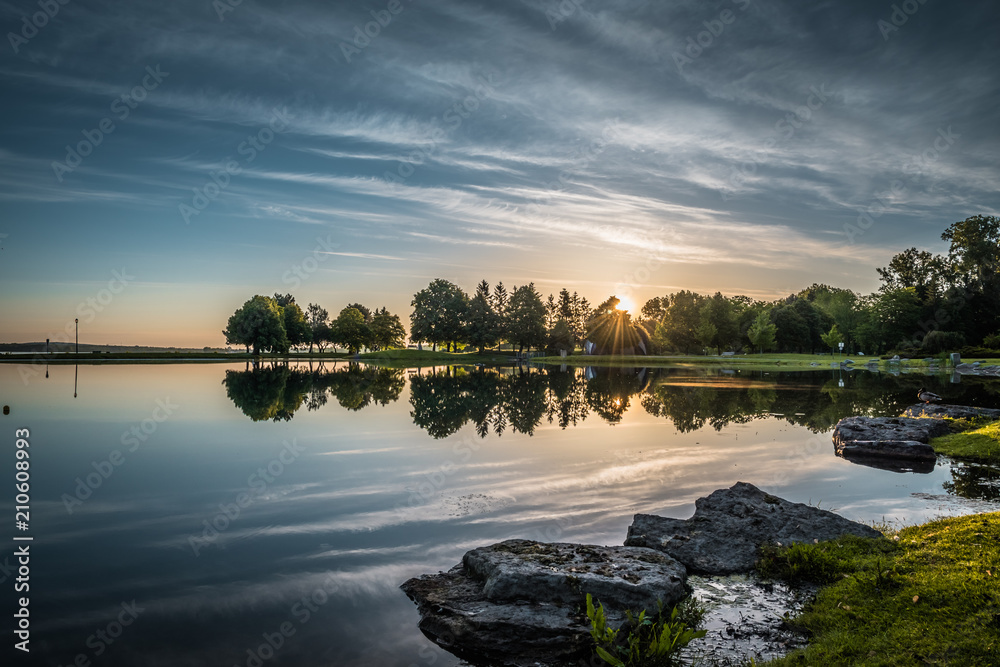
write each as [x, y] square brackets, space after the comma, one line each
[625, 147]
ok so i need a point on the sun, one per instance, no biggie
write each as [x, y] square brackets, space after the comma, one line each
[626, 303]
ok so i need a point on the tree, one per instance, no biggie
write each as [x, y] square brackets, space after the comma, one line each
[550, 312]
[974, 263]
[365, 311]
[720, 313]
[526, 318]
[483, 326]
[682, 317]
[316, 317]
[350, 330]
[915, 268]
[387, 331]
[296, 325]
[832, 338]
[762, 332]
[611, 330]
[322, 335]
[560, 337]
[440, 311]
[581, 315]
[499, 301]
[974, 252]
[258, 324]
[283, 299]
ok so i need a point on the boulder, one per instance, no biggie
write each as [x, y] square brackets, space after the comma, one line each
[729, 526]
[954, 411]
[520, 601]
[875, 429]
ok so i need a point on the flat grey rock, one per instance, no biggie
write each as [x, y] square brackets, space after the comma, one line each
[520, 602]
[954, 411]
[900, 429]
[730, 525]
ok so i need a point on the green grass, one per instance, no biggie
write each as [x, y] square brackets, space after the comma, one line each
[414, 358]
[928, 596]
[980, 444]
[770, 360]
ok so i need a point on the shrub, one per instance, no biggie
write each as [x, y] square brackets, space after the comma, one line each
[940, 341]
[642, 641]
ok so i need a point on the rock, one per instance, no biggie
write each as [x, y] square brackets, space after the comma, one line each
[953, 411]
[886, 449]
[520, 601]
[874, 429]
[730, 525]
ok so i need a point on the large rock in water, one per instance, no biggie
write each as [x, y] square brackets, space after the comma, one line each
[897, 429]
[953, 411]
[519, 602]
[730, 525]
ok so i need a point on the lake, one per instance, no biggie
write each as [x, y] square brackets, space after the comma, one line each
[215, 514]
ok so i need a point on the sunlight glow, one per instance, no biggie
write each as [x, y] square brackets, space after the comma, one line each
[626, 304]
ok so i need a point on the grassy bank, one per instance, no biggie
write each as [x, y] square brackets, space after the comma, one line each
[929, 595]
[415, 358]
[770, 360]
[978, 444]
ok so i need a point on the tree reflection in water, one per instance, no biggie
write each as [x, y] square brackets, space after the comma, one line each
[493, 400]
[276, 392]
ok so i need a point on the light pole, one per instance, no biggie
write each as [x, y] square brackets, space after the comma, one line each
[841, 345]
[77, 320]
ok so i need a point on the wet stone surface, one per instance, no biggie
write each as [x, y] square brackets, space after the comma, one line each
[745, 619]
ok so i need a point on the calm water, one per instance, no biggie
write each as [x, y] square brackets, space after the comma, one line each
[244, 503]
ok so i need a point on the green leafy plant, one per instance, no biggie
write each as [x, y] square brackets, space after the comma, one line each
[642, 641]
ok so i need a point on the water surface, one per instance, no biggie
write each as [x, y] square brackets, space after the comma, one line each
[250, 501]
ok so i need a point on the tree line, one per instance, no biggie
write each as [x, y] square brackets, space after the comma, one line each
[276, 324]
[926, 304]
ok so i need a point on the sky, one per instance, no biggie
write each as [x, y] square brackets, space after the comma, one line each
[162, 162]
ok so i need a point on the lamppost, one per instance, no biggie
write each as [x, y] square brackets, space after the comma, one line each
[841, 345]
[77, 320]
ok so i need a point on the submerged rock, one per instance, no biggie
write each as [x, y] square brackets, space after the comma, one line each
[730, 525]
[520, 601]
[953, 411]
